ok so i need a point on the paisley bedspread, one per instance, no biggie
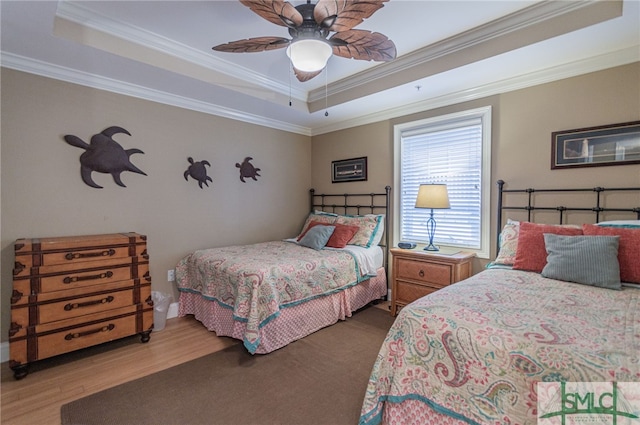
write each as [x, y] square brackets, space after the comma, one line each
[474, 351]
[257, 281]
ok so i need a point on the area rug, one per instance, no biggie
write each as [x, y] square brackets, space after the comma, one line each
[320, 379]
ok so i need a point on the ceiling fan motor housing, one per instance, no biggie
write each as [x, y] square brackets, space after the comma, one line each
[309, 27]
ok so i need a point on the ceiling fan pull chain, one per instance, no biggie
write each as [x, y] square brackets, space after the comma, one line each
[326, 73]
[290, 71]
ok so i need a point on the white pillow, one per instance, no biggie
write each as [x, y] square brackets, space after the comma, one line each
[620, 223]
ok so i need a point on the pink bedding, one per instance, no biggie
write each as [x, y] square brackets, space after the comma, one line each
[294, 322]
[248, 287]
[474, 351]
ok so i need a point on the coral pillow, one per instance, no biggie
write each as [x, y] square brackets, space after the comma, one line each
[341, 235]
[628, 250]
[531, 253]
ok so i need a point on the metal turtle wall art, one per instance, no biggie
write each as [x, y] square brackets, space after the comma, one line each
[247, 170]
[104, 155]
[198, 171]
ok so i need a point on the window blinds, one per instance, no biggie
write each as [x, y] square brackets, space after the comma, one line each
[446, 153]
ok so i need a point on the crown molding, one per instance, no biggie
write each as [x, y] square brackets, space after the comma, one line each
[548, 75]
[515, 27]
[57, 72]
[597, 63]
[88, 18]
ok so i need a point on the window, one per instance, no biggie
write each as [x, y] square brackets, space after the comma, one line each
[454, 150]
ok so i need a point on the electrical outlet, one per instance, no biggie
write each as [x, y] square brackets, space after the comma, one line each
[171, 275]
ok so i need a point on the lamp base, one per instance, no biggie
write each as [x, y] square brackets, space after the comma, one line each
[431, 247]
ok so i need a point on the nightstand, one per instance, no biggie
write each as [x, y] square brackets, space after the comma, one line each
[417, 273]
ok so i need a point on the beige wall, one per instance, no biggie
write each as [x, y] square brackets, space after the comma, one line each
[523, 121]
[43, 195]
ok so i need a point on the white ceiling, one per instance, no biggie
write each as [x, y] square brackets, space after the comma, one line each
[448, 51]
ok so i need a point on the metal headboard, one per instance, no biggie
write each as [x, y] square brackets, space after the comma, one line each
[597, 203]
[354, 203]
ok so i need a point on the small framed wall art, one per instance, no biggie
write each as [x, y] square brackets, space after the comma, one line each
[349, 170]
[614, 144]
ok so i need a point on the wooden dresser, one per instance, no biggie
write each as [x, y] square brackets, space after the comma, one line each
[417, 273]
[74, 292]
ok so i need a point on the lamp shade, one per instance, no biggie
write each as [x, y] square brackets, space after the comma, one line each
[309, 54]
[434, 196]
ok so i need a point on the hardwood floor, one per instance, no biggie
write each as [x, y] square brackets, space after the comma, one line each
[36, 399]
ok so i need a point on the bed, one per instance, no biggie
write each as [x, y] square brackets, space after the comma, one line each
[272, 293]
[550, 309]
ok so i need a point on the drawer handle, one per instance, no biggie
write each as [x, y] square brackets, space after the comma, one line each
[73, 256]
[107, 328]
[70, 306]
[72, 279]
[421, 273]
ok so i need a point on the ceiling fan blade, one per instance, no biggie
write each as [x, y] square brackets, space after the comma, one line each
[250, 45]
[363, 45]
[303, 76]
[342, 15]
[278, 12]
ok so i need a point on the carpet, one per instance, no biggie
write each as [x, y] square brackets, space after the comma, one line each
[320, 379]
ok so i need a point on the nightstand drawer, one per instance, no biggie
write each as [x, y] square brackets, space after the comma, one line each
[439, 274]
[408, 292]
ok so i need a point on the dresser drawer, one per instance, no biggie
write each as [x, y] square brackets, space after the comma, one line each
[78, 302]
[63, 276]
[76, 249]
[51, 339]
[57, 311]
[87, 305]
[22, 296]
[85, 336]
[438, 274]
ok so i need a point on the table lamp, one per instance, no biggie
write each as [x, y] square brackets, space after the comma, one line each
[434, 196]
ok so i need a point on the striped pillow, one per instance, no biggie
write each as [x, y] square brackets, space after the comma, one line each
[590, 260]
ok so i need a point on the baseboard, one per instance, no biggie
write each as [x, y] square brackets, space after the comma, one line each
[4, 347]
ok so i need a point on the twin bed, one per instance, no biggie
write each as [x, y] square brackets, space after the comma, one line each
[270, 294]
[475, 352]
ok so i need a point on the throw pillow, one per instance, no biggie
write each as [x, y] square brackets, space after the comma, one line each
[342, 235]
[321, 218]
[531, 254]
[367, 228]
[590, 260]
[628, 251]
[508, 244]
[317, 237]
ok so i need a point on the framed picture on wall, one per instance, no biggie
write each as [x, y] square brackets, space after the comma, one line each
[613, 144]
[349, 170]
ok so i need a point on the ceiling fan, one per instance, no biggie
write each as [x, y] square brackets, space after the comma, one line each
[309, 26]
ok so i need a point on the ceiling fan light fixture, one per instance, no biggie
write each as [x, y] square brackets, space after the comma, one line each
[309, 54]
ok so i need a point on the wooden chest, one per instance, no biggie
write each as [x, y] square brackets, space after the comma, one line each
[74, 292]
